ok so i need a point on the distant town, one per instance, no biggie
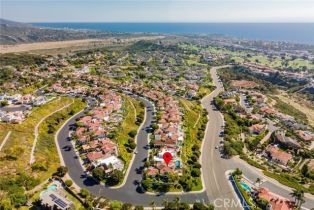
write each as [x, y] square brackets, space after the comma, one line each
[88, 128]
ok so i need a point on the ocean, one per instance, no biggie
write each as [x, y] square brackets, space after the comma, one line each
[288, 32]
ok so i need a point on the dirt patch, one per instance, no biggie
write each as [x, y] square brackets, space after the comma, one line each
[243, 84]
[68, 44]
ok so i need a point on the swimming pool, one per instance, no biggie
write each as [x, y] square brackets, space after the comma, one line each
[245, 186]
[52, 187]
[178, 163]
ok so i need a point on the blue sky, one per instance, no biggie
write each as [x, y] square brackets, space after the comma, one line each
[158, 10]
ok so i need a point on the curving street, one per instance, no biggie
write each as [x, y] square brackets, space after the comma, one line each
[127, 192]
[216, 185]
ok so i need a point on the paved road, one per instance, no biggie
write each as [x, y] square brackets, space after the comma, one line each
[220, 165]
[214, 167]
[127, 193]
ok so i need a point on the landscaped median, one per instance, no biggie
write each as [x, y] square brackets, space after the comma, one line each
[126, 133]
[243, 195]
[194, 121]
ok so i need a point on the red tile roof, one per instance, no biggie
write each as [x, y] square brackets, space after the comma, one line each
[277, 202]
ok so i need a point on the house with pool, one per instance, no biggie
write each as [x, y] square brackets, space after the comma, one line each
[54, 197]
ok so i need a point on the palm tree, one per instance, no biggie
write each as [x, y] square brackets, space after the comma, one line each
[258, 181]
[237, 172]
[298, 197]
[153, 205]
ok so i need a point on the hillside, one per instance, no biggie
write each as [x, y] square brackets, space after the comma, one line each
[16, 33]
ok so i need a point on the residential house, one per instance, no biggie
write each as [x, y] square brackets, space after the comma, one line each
[305, 135]
[276, 202]
[278, 156]
[230, 101]
[281, 137]
[257, 128]
[54, 199]
[39, 101]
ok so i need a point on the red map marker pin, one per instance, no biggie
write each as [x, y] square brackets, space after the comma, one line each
[167, 157]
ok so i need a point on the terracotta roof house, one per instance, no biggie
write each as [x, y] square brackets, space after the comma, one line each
[165, 170]
[92, 156]
[276, 202]
[257, 128]
[267, 110]
[152, 172]
[278, 155]
[230, 101]
[305, 135]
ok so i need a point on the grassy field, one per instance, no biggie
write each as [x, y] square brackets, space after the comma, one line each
[192, 111]
[46, 155]
[16, 173]
[203, 91]
[18, 146]
[240, 56]
[3, 133]
[288, 109]
[299, 104]
[289, 180]
[132, 110]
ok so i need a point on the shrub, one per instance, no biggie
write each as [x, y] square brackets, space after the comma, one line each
[68, 182]
[126, 206]
[262, 203]
[132, 133]
[84, 192]
[61, 171]
[98, 173]
[115, 177]
[18, 199]
[196, 172]
[4, 103]
[39, 167]
[197, 165]
[115, 205]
